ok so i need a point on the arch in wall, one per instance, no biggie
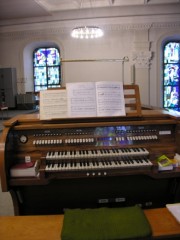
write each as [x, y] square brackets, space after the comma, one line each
[27, 84]
[170, 36]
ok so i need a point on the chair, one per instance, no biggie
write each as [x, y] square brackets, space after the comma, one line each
[4, 108]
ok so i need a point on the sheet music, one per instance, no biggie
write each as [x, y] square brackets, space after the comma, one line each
[81, 99]
[53, 104]
[110, 99]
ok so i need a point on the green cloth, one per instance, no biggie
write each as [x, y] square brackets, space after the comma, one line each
[105, 224]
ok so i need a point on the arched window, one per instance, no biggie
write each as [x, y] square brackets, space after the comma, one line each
[47, 68]
[171, 81]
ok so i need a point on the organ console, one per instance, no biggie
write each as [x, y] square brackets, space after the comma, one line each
[90, 162]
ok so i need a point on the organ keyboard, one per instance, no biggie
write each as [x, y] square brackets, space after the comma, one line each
[80, 154]
[87, 161]
[91, 165]
[103, 159]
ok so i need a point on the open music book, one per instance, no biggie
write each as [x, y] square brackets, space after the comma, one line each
[83, 99]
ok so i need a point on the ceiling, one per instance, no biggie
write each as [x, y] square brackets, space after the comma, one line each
[20, 9]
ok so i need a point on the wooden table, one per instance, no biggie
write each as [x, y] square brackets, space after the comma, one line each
[164, 226]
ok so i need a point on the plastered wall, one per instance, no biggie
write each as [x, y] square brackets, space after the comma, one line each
[139, 39]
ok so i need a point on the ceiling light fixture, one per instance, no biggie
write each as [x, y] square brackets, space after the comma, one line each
[87, 32]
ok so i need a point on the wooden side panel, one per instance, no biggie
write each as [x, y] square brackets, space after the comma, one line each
[3, 173]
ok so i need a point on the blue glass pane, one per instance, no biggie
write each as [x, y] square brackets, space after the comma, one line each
[171, 74]
[52, 57]
[40, 77]
[171, 96]
[53, 75]
[40, 57]
[172, 52]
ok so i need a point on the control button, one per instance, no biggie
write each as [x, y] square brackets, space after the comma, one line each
[23, 138]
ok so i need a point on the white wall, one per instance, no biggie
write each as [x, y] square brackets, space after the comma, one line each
[112, 46]
[138, 37]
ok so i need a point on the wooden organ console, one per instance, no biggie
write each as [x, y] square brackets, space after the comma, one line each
[90, 162]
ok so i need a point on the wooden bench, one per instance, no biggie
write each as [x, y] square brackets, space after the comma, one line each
[164, 226]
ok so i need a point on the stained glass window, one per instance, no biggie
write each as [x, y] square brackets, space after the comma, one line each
[47, 68]
[171, 76]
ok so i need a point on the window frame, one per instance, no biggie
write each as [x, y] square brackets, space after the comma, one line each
[171, 79]
[47, 70]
